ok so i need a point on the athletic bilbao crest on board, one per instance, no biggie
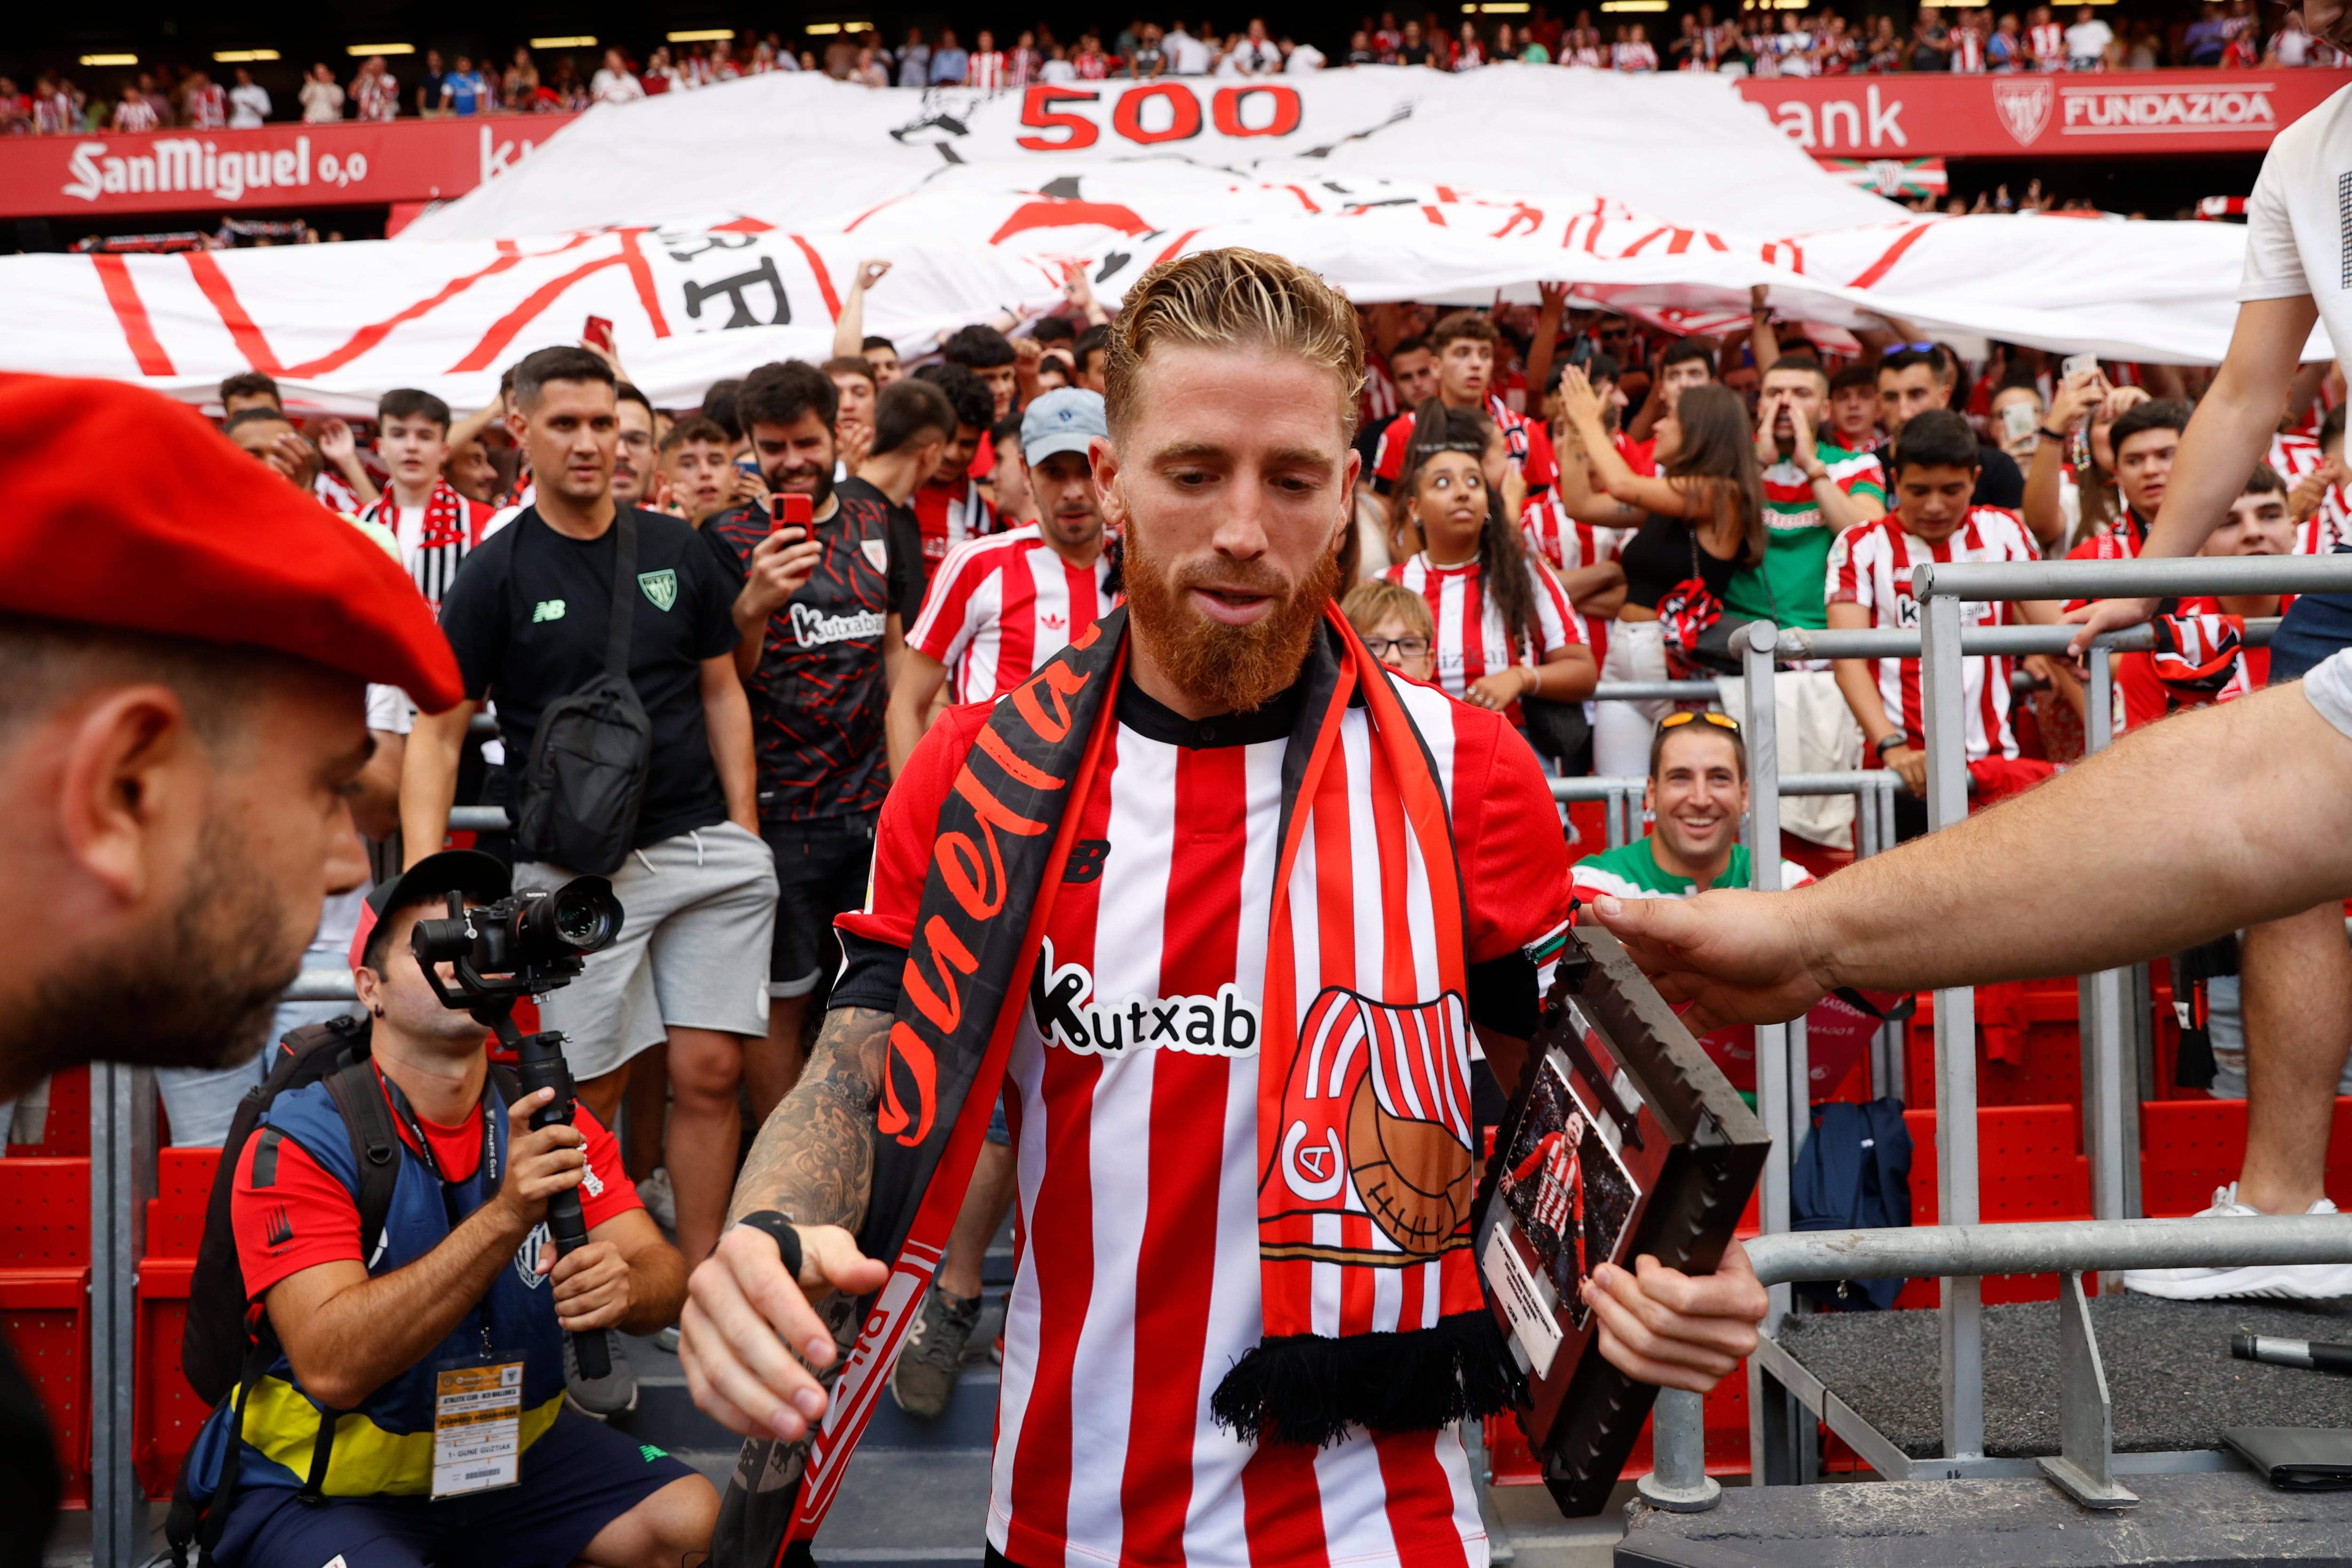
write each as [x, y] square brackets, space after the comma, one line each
[1376, 1131]
[2023, 107]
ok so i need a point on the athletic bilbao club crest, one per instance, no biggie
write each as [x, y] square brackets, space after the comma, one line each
[1374, 1156]
[2023, 106]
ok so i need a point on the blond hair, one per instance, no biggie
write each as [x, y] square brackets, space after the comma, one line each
[1370, 603]
[1233, 299]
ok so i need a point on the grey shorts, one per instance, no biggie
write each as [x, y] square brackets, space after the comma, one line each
[698, 916]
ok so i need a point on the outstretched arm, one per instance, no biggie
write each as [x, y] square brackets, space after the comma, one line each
[2183, 830]
[748, 1324]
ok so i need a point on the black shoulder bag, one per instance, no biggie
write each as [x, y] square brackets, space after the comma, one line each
[580, 794]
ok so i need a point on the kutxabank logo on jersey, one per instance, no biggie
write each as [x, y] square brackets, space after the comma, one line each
[1061, 1000]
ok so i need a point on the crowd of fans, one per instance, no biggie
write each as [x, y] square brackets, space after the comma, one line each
[1762, 43]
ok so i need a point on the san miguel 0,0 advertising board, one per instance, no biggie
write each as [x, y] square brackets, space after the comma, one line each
[1932, 115]
[349, 163]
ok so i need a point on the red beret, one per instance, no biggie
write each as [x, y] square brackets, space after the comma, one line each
[125, 508]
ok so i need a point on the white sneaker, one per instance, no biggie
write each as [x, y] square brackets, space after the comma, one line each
[2298, 1282]
[660, 1202]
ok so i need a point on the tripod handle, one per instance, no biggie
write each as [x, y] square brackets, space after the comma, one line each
[570, 1232]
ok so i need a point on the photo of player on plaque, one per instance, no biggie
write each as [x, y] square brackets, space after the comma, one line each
[1566, 1185]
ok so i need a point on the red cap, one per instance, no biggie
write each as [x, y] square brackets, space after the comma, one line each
[125, 508]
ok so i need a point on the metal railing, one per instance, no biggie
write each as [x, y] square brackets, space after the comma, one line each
[1779, 1390]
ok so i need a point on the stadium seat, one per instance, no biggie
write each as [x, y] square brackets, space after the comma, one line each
[165, 1412]
[2029, 1168]
[45, 1294]
[2189, 1147]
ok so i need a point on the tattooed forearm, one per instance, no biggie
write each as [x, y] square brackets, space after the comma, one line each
[815, 1158]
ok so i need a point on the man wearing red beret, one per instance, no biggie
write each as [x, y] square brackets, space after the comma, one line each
[183, 670]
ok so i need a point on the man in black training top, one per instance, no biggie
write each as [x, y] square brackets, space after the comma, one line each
[913, 423]
[816, 645]
[529, 617]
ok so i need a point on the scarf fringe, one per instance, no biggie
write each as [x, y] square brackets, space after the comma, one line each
[1308, 1390]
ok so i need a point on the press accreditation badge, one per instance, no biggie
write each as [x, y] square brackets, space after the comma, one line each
[476, 1427]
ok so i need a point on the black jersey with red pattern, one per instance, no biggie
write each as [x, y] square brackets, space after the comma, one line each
[818, 696]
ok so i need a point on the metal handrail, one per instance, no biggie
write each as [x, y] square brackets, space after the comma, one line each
[1889, 643]
[1655, 691]
[1988, 582]
[1969, 1252]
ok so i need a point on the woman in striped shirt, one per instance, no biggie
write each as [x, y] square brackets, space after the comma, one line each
[1505, 629]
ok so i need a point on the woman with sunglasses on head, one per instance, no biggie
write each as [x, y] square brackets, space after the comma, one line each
[1505, 630]
[1698, 520]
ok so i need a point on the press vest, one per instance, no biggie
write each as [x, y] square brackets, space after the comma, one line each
[384, 1447]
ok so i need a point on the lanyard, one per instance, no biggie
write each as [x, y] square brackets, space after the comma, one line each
[489, 1166]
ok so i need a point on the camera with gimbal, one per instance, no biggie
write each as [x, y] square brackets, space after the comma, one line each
[526, 943]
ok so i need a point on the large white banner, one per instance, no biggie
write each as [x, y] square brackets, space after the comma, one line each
[719, 229]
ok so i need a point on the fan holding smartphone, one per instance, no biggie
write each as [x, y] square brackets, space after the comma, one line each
[819, 592]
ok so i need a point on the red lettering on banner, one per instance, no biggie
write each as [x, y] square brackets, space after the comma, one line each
[1037, 112]
[892, 1117]
[1225, 110]
[1126, 119]
[952, 957]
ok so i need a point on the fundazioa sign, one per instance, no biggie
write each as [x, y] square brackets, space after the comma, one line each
[1941, 116]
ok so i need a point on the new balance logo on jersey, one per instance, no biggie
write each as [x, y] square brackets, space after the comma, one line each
[1059, 996]
[813, 628]
[547, 609]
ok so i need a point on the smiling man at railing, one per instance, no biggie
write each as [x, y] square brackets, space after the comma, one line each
[2086, 872]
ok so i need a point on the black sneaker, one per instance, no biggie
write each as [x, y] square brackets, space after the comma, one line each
[611, 1399]
[926, 1373]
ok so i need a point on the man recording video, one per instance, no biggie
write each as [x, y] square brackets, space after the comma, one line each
[383, 1337]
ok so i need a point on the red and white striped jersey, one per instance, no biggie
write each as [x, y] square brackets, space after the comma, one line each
[1529, 441]
[1137, 1283]
[2047, 43]
[1472, 642]
[998, 607]
[1870, 565]
[2293, 456]
[949, 515]
[1968, 51]
[985, 71]
[1571, 546]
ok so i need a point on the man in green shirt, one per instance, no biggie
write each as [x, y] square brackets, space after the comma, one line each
[1697, 795]
[1813, 491]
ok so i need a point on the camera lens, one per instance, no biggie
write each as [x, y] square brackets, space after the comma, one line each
[580, 918]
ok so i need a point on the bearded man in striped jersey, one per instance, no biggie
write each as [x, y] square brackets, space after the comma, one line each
[1219, 904]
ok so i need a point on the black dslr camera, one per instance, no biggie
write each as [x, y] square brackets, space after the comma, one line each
[527, 944]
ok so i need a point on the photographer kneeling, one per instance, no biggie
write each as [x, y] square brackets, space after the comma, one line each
[459, 1298]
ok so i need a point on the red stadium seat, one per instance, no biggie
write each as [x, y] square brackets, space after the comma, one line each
[45, 1294]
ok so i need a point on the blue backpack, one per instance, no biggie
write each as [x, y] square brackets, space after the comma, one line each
[1853, 1173]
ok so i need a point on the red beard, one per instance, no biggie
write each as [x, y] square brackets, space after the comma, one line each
[1233, 669]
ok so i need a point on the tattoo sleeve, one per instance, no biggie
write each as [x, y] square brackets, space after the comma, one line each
[815, 1158]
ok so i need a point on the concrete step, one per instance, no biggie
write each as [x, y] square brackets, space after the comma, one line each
[2231, 1517]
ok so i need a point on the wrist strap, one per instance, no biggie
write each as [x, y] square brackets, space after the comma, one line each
[1887, 743]
[2053, 434]
[778, 1227]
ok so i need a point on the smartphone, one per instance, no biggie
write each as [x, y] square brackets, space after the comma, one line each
[2076, 364]
[2018, 421]
[598, 333]
[789, 509]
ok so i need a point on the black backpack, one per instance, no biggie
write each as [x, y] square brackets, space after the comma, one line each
[577, 801]
[221, 1358]
[1853, 1172]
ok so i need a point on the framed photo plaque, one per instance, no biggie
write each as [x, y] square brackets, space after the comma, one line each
[1624, 1138]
